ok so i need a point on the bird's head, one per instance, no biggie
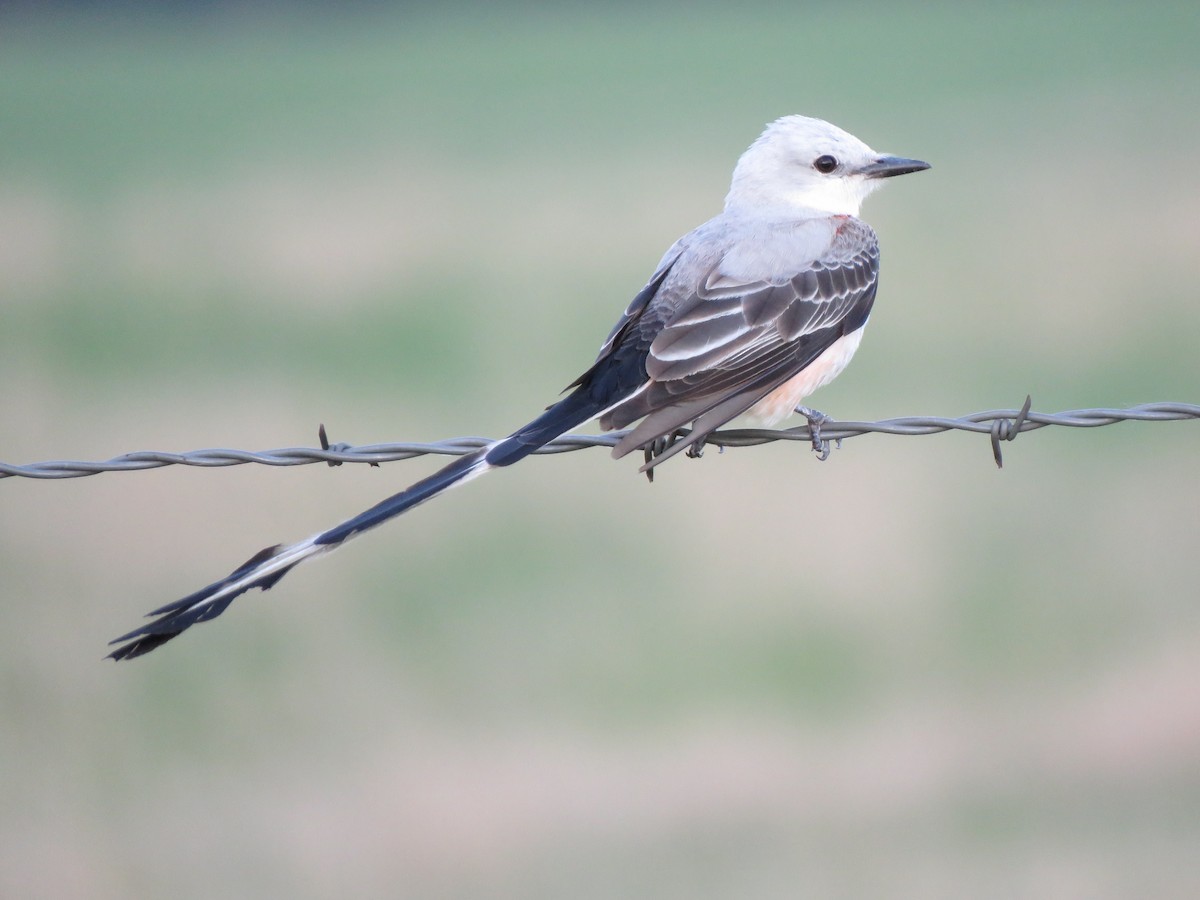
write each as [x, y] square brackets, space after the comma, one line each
[802, 163]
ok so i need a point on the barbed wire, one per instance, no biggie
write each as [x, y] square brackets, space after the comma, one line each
[998, 424]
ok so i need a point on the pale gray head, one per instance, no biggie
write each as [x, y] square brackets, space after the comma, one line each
[807, 164]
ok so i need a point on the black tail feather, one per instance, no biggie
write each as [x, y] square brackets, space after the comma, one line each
[175, 618]
[425, 489]
[570, 412]
[208, 590]
[558, 419]
[200, 606]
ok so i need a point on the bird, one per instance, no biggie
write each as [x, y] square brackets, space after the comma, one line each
[748, 314]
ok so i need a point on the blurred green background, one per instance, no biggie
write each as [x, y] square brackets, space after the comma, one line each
[901, 673]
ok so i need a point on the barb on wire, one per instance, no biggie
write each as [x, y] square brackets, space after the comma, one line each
[999, 425]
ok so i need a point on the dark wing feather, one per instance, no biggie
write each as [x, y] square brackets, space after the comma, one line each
[724, 349]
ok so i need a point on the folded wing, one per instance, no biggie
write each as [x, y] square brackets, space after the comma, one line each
[732, 339]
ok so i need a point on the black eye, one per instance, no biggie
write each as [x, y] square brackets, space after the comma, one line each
[825, 164]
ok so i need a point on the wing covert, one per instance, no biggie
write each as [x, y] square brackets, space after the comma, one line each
[733, 341]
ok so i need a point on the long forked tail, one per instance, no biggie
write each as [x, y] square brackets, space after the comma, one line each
[267, 566]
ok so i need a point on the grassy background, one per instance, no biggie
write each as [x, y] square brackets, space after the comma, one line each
[900, 673]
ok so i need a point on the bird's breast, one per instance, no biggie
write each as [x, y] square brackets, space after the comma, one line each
[782, 402]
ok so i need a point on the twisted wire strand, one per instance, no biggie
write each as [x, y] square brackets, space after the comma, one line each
[998, 424]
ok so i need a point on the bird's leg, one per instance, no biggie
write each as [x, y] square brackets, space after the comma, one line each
[816, 419]
[654, 449]
[661, 444]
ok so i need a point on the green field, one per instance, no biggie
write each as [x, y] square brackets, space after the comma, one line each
[900, 673]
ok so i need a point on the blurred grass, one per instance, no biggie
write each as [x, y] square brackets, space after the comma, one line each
[899, 673]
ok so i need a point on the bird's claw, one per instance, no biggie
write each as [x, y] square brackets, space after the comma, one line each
[816, 419]
[661, 444]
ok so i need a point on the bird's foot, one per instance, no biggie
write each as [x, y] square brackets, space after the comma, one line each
[816, 419]
[660, 445]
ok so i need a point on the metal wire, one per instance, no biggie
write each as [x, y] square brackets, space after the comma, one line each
[998, 424]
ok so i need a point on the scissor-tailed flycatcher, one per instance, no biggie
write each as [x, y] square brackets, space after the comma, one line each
[749, 313]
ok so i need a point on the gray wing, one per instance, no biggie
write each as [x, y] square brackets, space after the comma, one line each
[730, 341]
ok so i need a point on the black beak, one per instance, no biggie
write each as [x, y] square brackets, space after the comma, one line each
[887, 166]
